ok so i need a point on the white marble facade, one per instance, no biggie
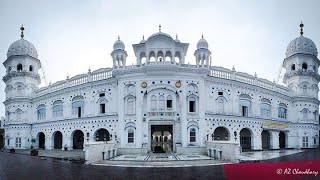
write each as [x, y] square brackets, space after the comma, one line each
[162, 101]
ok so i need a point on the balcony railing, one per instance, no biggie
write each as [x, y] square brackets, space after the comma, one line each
[161, 113]
[100, 74]
[225, 73]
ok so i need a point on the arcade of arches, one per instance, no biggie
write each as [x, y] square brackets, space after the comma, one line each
[77, 139]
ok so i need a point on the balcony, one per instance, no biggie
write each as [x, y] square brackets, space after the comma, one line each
[156, 115]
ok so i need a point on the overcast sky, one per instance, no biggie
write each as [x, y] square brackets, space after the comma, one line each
[73, 35]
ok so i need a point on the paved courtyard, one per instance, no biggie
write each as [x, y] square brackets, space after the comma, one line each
[19, 166]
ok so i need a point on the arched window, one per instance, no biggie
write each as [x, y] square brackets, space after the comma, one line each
[153, 103]
[19, 67]
[293, 67]
[315, 115]
[245, 104]
[130, 106]
[41, 112]
[304, 66]
[161, 103]
[78, 106]
[304, 89]
[192, 104]
[220, 105]
[282, 111]
[19, 90]
[169, 102]
[30, 68]
[57, 109]
[102, 106]
[265, 108]
[305, 114]
[192, 135]
[130, 136]
[18, 114]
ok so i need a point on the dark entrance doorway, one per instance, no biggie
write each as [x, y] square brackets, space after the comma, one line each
[245, 139]
[265, 138]
[58, 140]
[42, 140]
[282, 140]
[221, 134]
[1, 141]
[102, 135]
[161, 138]
[78, 139]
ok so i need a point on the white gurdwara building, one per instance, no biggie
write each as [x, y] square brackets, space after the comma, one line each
[161, 103]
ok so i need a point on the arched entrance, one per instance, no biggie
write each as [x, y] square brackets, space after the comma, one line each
[102, 135]
[78, 139]
[245, 139]
[57, 140]
[221, 134]
[161, 138]
[282, 140]
[265, 138]
[1, 141]
[41, 140]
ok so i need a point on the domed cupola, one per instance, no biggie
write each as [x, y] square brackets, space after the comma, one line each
[202, 44]
[22, 47]
[118, 44]
[119, 54]
[142, 41]
[301, 65]
[202, 53]
[301, 45]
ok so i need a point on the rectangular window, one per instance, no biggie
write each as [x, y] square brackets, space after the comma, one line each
[244, 110]
[102, 108]
[169, 104]
[101, 94]
[79, 111]
[192, 106]
[18, 142]
[8, 142]
[220, 93]
[193, 136]
[130, 137]
[305, 142]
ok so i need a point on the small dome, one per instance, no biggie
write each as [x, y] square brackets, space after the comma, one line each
[202, 44]
[118, 45]
[301, 45]
[142, 41]
[22, 47]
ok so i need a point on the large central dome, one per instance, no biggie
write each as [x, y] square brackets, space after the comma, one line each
[159, 34]
[22, 47]
[301, 45]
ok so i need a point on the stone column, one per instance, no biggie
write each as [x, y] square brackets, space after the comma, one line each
[257, 143]
[67, 141]
[274, 140]
[48, 143]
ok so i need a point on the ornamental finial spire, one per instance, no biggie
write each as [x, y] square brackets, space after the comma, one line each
[22, 29]
[301, 28]
[202, 36]
[159, 27]
[118, 37]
